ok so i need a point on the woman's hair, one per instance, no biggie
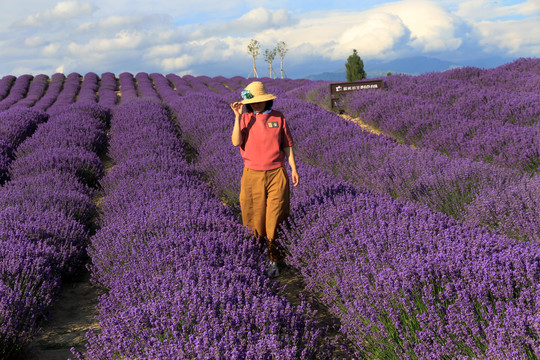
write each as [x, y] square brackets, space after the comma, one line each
[267, 106]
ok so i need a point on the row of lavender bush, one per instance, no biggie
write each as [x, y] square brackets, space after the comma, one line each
[42, 93]
[56, 84]
[15, 126]
[68, 95]
[183, 278]
[89, 89]
[107, 91]
[46, 212]
[36, 90]
[17, 92]
[488, 115]
[405, 281]
[5, 85]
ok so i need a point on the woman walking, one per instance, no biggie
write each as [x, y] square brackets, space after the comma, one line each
[265, 141]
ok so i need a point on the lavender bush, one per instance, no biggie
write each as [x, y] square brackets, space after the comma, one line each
[68, 95]
[107, 90]
[74, 127]
[512, 210]
[127, 87]
[146, 87]
[180, 85]
[15, 126]
[89, 89]
[5, 85]
[166, 87]
[36, 247]
[488, 115]
[410, 283]
[54, 190]
[55, 86]
[37, 88]
[18, 91]
[47, 215]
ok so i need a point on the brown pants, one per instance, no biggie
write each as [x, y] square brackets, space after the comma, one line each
[265, 203]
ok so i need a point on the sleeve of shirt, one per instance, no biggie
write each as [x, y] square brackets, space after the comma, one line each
[243, 129]
[286, 139]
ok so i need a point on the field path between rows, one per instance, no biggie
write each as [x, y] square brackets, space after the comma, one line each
[293, 288]
[362, 124]
[71, 317]
[365, 126]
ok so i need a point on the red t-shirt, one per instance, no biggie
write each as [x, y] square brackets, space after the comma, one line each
[263, 138]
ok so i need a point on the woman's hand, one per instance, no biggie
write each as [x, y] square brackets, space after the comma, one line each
[237, 108]
[295, 179]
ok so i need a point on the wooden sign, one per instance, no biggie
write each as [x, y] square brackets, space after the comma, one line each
[338, 89]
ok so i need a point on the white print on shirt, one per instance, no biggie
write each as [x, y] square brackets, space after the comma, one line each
[273, 124]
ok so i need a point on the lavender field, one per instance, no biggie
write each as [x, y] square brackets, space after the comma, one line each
[423, 242]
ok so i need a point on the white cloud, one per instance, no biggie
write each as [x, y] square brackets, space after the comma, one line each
[261, 18]
[378, 34]
[407, 25]
[121, 41]
[511, 36]
[34, 41]
[177, 63]
[116, 21]
[62, 11]
[51, 50]
[67, 10]
[166, 50]
[135, 22]
[432, 27]
[488, 9]
[250, 23]
[86, 26]
[153, 35]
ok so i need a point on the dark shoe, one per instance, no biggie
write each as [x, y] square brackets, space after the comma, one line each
[273, 270]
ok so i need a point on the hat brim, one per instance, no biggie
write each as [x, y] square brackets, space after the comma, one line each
[259, 98]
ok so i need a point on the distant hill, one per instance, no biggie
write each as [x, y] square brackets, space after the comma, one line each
[411, 66]
[338, 75]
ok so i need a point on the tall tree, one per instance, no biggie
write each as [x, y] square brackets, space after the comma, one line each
[254, 49]
[355, 67]
[269, 56]
[282, 50]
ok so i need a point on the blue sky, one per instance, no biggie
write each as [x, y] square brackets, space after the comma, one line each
[205, 37]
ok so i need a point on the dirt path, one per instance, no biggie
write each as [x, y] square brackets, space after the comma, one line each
[71, 317]
[362, 124]
[373, 130]
[293, 288]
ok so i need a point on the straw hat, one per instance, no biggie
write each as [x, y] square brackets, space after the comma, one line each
[256, 92]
